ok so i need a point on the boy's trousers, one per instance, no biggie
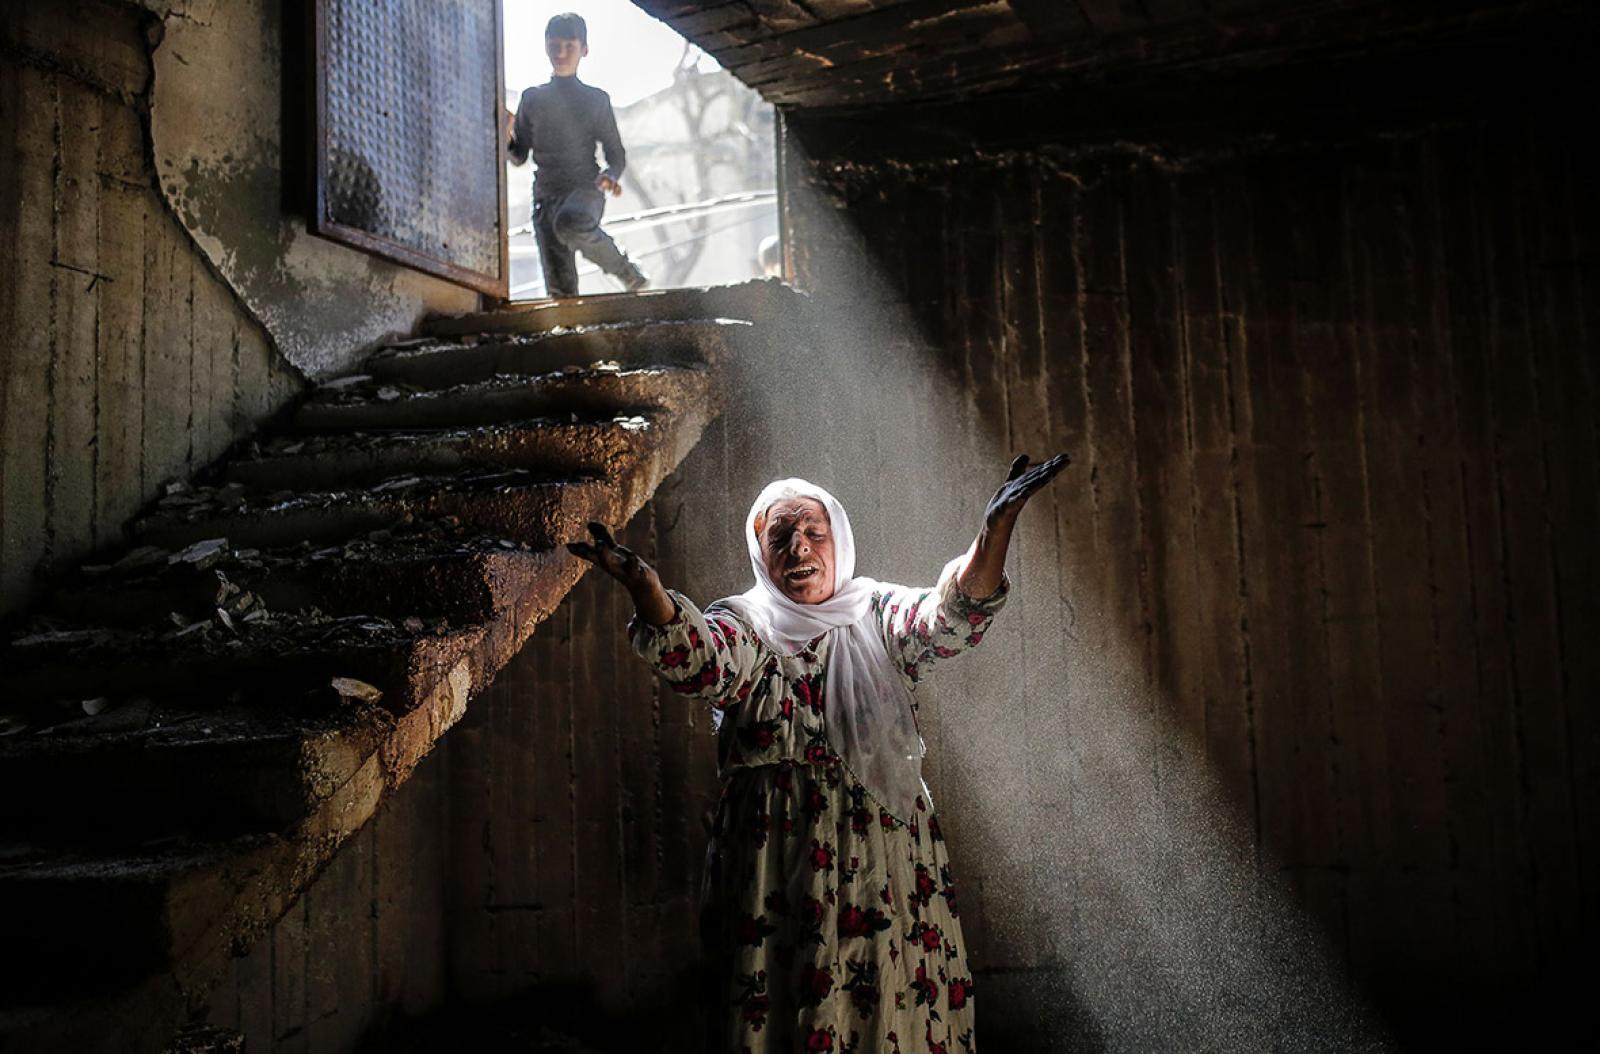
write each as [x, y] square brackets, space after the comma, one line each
[570, 223]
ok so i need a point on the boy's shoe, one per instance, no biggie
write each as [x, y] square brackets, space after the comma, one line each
[632, 278]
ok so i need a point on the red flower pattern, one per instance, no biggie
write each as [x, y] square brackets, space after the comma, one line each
[821, 855]
[815, 984]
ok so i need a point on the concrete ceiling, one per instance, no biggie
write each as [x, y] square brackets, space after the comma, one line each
[857, 53]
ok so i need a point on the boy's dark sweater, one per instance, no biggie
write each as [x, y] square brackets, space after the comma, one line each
[559, 123]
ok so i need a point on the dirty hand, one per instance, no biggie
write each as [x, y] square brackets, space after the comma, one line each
[985, 569]
[1022, 483]
[609, 185]
[636, 576]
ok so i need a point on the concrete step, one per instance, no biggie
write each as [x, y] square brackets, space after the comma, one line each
[761, 300]
[543, 446]
[515, 504]
[591, 391]
[441, 362]
[430, 571]
[282, 663]
[144, 770]
[93, 923]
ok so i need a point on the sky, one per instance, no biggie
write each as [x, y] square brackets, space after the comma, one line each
[631, 55]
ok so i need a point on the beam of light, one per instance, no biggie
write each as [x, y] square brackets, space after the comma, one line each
[1108, 883]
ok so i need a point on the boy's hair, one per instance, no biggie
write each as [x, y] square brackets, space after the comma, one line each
[569, 26]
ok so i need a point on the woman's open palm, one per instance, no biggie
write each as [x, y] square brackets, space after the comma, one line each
[1022, 483]
[618, 561]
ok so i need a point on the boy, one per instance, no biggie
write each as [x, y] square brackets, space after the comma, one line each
[559, 123]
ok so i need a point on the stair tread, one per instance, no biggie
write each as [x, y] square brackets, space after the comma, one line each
[285, 659]
[524, 505]
[562, 351]
[555, 447]
[368, 573]
[755, 300]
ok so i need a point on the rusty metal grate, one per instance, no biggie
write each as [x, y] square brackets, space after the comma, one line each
[409, 144]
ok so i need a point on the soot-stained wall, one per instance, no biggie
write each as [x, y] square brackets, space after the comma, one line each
[230, 145]
[127, 361]
[1288, 740]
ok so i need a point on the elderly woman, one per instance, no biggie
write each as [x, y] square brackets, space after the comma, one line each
[831, 911]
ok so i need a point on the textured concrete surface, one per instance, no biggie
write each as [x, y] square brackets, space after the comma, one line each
[124, 361]
[224, 141]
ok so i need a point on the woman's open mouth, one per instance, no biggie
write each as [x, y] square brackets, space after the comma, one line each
[799, 574]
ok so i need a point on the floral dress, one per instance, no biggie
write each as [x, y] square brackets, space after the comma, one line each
[834, 924]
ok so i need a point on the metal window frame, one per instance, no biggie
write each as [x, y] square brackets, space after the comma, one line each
[376, 244]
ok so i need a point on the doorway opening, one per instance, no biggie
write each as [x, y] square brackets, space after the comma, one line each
[699, 192]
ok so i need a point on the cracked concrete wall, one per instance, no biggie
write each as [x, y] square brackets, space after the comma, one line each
[124, 360]
[225, 145]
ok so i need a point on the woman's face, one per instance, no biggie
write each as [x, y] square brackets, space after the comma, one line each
[797, 548]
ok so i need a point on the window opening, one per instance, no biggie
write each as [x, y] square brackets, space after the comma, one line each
[699, 190]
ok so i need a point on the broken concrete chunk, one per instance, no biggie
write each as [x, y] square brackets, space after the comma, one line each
[187, 631]
[340, 383]
[96, 706]
[387, 394]
[177, 486]
[60, 637]
[352, 690]
[139, 559]
[123, 718]
[293, 448]
[226, 619]
[201, 555]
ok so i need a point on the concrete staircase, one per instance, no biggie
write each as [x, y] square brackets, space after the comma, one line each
[194, 726]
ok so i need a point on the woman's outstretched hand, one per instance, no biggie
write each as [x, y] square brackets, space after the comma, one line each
[986, 569]
[1022, 483]
[636, 576]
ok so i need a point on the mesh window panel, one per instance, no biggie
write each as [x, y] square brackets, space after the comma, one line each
[410, 123]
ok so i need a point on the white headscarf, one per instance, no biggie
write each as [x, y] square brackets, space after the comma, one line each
[868, 708]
